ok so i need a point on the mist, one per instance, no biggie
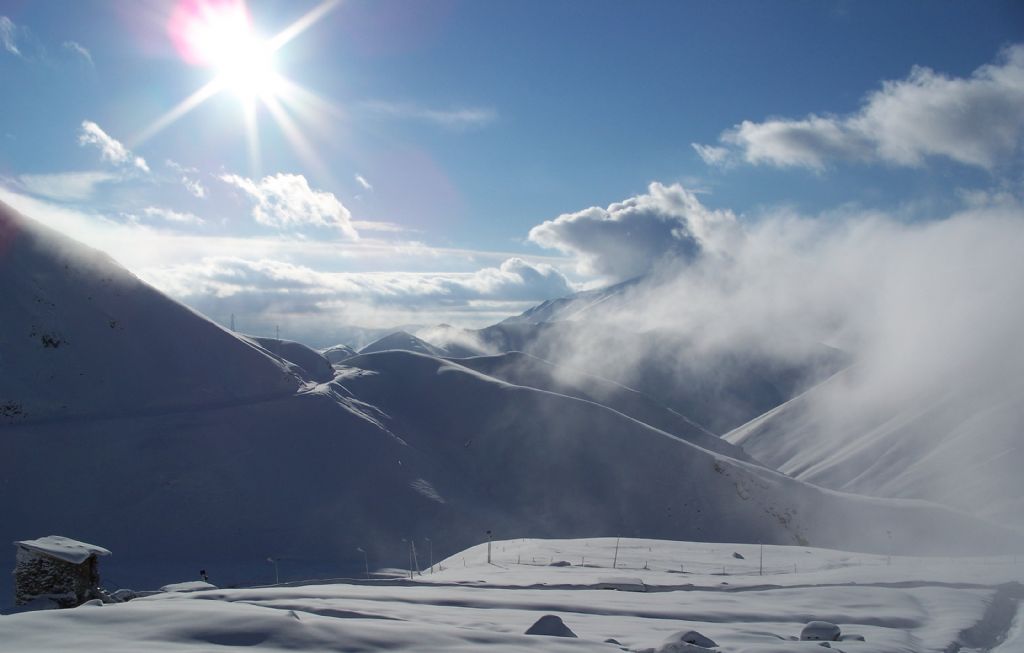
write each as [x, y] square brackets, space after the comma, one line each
[928, 316]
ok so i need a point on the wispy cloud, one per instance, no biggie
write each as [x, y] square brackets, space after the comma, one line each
[286, 201]
[79, 50]
[452, 118]
[361, 180]
[172, 216]
[977, 121]
[188, 177]
[9, 36]
[110, 148]
[374, 225]
[66, 186]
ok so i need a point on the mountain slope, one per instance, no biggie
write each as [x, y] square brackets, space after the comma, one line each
[79, 335]
[314, 364]
[956, 447]
[526, 370]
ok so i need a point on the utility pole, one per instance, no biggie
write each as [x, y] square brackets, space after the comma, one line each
[415, 559]
[488, 547]
[430, 546]
[615, 560]
[277, 576]
[366, 562]
[410, 557]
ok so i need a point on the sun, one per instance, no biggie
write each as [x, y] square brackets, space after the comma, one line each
[219, 34]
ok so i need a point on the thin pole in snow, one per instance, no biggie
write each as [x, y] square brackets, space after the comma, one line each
[430, 546]
[488, 547]
[277, 576]
[366, 562]
[615, 560]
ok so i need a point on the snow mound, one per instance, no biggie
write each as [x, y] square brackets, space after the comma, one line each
[188, 586]
[64, 548]
[550, 625]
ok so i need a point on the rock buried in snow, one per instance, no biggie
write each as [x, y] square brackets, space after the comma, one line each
[820, 631]
[687, 641]
[738, 556]
[550, 625]
[560, 563]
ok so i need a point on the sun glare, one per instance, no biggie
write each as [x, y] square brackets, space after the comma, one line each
[219, 34]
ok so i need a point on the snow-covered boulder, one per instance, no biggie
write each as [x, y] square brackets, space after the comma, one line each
[551, 625]
[820, 631]
[687, 641]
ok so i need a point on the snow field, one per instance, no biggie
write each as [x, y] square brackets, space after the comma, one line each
[911, 605]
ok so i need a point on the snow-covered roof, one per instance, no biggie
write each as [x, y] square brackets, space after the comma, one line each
[64, 548]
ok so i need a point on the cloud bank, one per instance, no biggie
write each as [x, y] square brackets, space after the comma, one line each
[975, 121]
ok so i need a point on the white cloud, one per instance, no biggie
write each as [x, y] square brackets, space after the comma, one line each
[286, 201]
[711, 154]
[628, 238]
[361, 180]
[188, 178]
[110, 149]
[79, 50]
[455, 118]
[9, 35]
[374, 225]
[976, 121]
[66, 186]
[172, 216]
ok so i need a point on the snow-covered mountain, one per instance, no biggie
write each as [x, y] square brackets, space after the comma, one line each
[526, 370]
[719, 390]
[183, 446]
[404, 341]
[79, 335]
[314, 364]
[960, 446]
[338, 353]
[575, 306]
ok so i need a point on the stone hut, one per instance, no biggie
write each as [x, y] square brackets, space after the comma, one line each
[57, 569]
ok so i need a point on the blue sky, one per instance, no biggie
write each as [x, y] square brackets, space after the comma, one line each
[436, 144]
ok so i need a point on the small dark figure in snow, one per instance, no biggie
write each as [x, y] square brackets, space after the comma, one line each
[202, 574]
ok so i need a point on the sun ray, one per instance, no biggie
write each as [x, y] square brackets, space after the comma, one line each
[295, 137]
[252, 137]
[202, 94]
[309, 19]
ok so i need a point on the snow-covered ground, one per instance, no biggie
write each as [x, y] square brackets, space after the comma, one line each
[905, 604]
